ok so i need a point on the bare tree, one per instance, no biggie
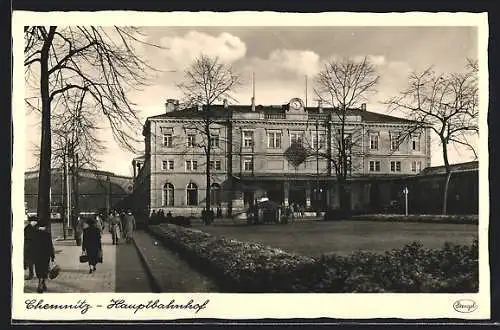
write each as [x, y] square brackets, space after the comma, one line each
[102, 62]
[448, 104]
[207, 81]
[343, 85]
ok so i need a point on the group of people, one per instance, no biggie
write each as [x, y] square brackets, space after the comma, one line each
[119, 224]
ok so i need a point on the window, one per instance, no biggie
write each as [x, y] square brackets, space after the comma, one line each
[247, 139]
[416, 166]
[248, 164]
[168, 194]
[374, 166]
[374, 141]
[214, 140]
[415, 143]
[167, 165]
[192, 194]
[191, 140]
[215, 165]
[167, 140]
[322, 140]
[394, 142]
[395, 166]
[215, 194]
[191, 165]
[296, 137]
[274, 140]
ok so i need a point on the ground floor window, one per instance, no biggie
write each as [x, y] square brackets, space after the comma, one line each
[168, 194]
[215, 193]
[192, 194]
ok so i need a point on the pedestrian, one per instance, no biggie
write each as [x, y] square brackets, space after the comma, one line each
[43, 253]
[114, 227]
[29, 251]
[292, 212]
[123, 228]
[99, 223]
[92, 244]
[79, 230]
[129, 226]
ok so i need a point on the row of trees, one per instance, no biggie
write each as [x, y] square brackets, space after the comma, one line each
[84, 75]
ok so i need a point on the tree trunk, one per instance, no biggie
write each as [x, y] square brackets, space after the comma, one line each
[229, 148]
[64, 211]
[208, 152]
[448, 176]
[43, 199]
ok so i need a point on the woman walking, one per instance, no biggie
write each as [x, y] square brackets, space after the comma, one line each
[43, 253]
[91, 243]
[129, 226]
[29, 234]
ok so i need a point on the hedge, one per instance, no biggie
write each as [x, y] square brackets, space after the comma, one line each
[423, 218]
[247, 267]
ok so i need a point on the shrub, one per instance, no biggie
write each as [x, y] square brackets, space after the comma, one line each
[425, 218]
[251, 267]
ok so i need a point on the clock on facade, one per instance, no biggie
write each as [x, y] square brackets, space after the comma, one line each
[295, 104]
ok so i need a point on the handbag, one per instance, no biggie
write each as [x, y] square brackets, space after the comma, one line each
[84, 257]
[54, 270]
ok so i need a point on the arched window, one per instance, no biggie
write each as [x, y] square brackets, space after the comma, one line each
[192, 194]
[215, 194]
[168, 194]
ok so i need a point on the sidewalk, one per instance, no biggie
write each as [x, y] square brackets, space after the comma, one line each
[74, 276]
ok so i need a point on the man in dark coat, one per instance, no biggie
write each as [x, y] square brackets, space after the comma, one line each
[92, 244]
[29, 251]
[43, 254]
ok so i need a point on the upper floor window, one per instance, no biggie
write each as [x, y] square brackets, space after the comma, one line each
[191, 140]
[214, 140]
[167, 165]
[191, 165]
[167, 140]
[274, 139]
[248, 164]
[321, 137]
[374, 166]
[296, 137]
[394, 142]
[416, 166]
[374, 141]
[247, 139]
[216, 165]
[415, 143]
[395, 166]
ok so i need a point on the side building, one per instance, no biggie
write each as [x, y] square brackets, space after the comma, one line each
[249, 143]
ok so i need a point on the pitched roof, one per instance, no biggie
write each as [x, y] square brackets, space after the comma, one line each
[218, 111]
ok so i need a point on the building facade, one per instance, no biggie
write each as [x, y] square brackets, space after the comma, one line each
[248, 158]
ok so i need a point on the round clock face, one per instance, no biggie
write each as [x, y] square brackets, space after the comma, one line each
[296, 105]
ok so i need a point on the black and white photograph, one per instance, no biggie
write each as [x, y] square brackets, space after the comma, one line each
[180, 165]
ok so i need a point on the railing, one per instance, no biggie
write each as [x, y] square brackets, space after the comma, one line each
[275, 116]
[318, 116]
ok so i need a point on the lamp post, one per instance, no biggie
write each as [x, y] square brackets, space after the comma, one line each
[317, 169]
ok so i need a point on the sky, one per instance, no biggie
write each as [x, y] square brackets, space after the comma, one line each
[281, 57]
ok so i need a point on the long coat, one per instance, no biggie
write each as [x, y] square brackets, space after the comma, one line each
[29, 250]
[43, 252]
[129, 225]
[92, 244]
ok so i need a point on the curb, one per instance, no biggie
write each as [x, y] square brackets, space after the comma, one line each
[155, 286]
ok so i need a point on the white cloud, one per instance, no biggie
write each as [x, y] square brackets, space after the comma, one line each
[183, 49]
[299, 61]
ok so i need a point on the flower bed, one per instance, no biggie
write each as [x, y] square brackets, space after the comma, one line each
[240, 266]
[465, 219]
[250, 267]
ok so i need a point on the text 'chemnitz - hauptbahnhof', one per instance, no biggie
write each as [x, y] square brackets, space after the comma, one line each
[247, 160]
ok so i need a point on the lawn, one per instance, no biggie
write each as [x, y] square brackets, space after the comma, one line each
[314, 238]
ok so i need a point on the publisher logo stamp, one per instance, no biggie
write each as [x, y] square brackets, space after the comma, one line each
[465, 305]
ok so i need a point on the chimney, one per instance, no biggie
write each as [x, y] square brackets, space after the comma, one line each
[320, 106]
[363, 106]
[200, 104]
[171, 105]
[225, 104]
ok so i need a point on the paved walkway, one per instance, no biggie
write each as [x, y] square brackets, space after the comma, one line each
[74, 276]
